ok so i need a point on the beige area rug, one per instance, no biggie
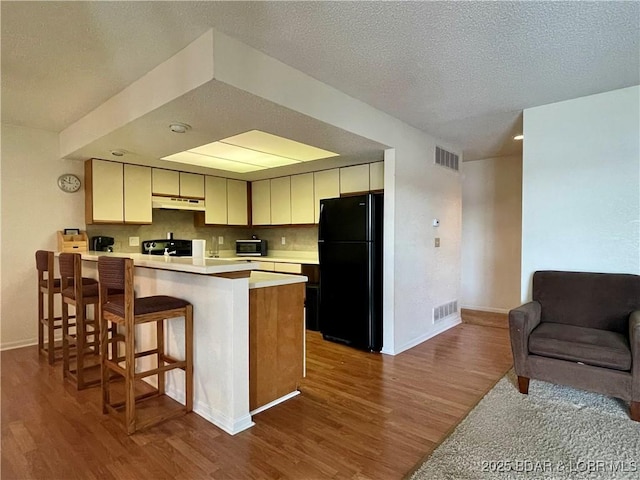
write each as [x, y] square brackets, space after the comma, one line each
[555, 432]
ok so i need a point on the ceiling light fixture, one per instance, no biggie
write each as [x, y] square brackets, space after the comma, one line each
[117, 153]
[518, 137]
[177, 127]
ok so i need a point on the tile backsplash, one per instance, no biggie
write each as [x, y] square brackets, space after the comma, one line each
[303, 238]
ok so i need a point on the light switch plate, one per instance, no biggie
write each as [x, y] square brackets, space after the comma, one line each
[284, 241]
[134, 241]
[220, 240]
[437, 241]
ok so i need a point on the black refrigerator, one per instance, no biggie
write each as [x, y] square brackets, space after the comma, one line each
[350, 254]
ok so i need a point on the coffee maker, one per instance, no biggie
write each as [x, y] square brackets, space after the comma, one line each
[102, 244]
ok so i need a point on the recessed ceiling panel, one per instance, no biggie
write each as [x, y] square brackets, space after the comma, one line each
[239, 154]
[265, 142]
[212, 162]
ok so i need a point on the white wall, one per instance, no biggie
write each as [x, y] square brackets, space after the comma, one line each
[491, 233]
[33, 210]
[581, 185]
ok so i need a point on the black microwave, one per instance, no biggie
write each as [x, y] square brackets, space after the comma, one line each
[251, 248]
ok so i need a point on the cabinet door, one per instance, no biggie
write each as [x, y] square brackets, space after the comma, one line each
[261, 202]
[287, 267]
[266, 266]
[281, 201]
[302, 210]
[137, 194]
[215, 200]
[237, 202]
[165, 182]
[191, 185]
[376, 176]
[354, 179]
[106, 193]
[326, 184]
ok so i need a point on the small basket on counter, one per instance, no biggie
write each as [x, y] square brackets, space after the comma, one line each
[72, 240]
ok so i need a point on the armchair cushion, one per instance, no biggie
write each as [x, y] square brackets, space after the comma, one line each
[591, 346]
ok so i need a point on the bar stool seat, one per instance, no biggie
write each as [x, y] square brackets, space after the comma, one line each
[79, 292]
[150, 405]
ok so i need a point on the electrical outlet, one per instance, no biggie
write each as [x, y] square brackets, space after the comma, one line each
[284, 241]
[437, 242]
[134, 241]
[220, 240]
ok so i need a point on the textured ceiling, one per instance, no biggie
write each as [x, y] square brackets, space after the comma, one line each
[462, 71]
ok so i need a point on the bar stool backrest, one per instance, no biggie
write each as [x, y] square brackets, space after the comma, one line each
[111, 272]
[44, 261]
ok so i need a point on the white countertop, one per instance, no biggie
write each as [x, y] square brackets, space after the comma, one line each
[205, 266]
[268, 279]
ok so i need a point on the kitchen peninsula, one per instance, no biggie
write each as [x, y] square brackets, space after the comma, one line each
[225, 294]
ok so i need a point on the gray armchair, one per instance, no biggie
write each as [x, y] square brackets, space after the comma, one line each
[581, 330]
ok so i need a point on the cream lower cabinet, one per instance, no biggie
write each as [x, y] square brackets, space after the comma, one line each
[237, 213]
[137, 194]
[326, 184]
[280, 201]
[302, 209]
[104, 187]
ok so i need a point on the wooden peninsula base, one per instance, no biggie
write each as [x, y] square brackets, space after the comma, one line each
[276, 343]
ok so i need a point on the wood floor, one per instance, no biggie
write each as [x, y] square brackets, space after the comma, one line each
[360, 416]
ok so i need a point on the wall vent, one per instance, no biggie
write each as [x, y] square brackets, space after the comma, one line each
[445, 311]
[447, 159]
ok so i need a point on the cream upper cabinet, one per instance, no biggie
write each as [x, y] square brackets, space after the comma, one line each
[261, 202]
[281, 201]
[302, 210]
[354, 179]
[376, 176]
[215, 200]
[326, 184]
[137, 194]
[237, 202]
[165, 182]
[104, 191]
[191, 185]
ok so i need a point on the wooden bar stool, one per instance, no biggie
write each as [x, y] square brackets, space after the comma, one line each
[48, 287]
[151, 406]
[84, 339]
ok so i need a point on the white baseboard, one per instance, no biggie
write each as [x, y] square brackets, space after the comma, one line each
[18, 344]
[486, 309]
[284, 398]
[437, 330]
[212, 415]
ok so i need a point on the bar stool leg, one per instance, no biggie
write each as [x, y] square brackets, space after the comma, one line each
[129, 381]
[51, 350]
[40, 320]
[104, 349]
[81, 315]
[160, 347]
[188, 378]
[65, 339]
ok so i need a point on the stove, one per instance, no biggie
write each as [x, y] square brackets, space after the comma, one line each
[175, 248]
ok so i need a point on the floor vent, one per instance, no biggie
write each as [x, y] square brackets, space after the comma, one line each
[447, 159]
[444, 311]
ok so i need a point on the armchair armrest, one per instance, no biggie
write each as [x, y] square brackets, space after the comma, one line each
[522, 321]
[634, 342]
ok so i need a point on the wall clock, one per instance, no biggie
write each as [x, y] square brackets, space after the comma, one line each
[69, 183]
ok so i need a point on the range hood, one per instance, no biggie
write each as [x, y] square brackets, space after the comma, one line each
[177, 203]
